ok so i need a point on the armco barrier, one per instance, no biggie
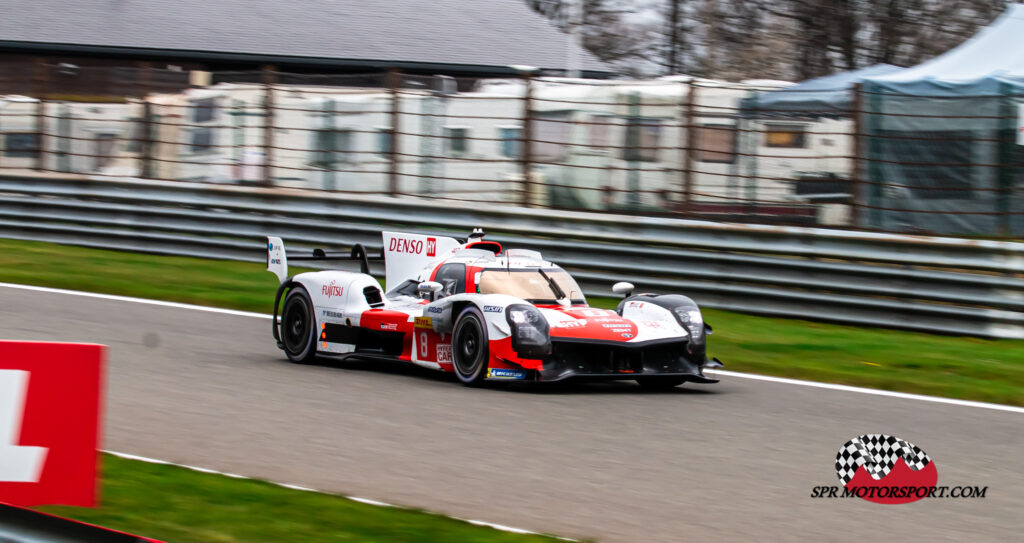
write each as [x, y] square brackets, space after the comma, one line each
[947, 285]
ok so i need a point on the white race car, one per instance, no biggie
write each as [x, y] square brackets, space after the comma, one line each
[485, 313]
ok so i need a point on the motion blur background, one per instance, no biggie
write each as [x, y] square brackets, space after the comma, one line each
[527, 118]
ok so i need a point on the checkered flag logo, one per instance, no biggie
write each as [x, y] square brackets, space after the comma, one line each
[878, 454]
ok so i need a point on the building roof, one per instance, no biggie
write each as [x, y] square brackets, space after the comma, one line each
[491, 34]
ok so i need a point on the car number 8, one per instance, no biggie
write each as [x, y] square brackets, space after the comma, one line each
[423, 345]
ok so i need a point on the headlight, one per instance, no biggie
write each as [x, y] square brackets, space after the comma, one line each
[692, 320]
[530, 331]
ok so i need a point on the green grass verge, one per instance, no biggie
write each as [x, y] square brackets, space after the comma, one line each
[178, 505]
[955, 367]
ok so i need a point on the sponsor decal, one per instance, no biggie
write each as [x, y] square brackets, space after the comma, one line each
[889, 470]
[388, 326]
[334, 314]
[501, 373]
[403, 245]
[627, 336]
[423, 322]
[632, 305]
[609, 319]
[493, 309]
[619, 325]
[444, 353]
[275, 260]
[650, 324]
[571, 324]
[270, 246]
[436, 310]
[332, 289]
[431, 246]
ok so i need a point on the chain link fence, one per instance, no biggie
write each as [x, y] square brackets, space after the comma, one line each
[672, 146]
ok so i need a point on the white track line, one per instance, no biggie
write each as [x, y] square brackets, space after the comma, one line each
[781, 380]
[367, 501]
[138, 300]
[872, 391]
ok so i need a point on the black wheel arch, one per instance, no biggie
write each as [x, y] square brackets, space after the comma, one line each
[283, 288]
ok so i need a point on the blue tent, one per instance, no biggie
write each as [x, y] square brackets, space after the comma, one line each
[941, 150]
[828, 96]
[989, 63]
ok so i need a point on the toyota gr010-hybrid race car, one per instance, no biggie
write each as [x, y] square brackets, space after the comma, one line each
[484, 313]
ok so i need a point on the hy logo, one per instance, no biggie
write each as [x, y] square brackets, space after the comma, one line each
[882, 461]
[431, 247]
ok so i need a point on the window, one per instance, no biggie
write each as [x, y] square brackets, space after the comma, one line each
[384, 141]
[933, 165]
[21, 145]
[550, 135]
[456, 141]
[599, 131]
[453, 278]
[133, 142]
[642, 137]
[792, 136]
[202, 140]
[532, 285]
[332, 146]
[204, 110]
[508, 144]
[104, 150]
[716, 143]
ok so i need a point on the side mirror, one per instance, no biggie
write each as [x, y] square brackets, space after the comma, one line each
[429, 289]
[623, 288]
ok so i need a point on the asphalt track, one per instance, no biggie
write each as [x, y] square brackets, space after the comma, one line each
[729, 462]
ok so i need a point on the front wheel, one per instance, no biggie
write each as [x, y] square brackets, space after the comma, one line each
[298, 327]
[469, 347]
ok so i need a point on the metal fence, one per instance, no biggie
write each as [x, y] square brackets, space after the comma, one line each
[677, 147]
[945, 285]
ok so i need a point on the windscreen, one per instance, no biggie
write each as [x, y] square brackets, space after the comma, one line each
[532, 284]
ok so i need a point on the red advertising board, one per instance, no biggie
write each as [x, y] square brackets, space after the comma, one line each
[50, 408]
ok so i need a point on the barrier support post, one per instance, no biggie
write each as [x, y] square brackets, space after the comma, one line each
[269, 80]
[40, 84]
[690, 147]
[394, 82]
[526, 151]
[857, 179]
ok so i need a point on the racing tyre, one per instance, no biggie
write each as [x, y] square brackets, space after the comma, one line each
[660, 383]
[298, 327]
[469, 347]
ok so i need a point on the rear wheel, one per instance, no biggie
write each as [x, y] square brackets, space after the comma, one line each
[660, 383]
[469, 347]
[298, 327]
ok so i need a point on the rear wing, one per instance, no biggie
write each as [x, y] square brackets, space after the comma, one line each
[277, 257]
[407, 254]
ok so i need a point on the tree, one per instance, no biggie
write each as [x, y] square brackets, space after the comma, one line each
[605, 31]
[779, 39]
